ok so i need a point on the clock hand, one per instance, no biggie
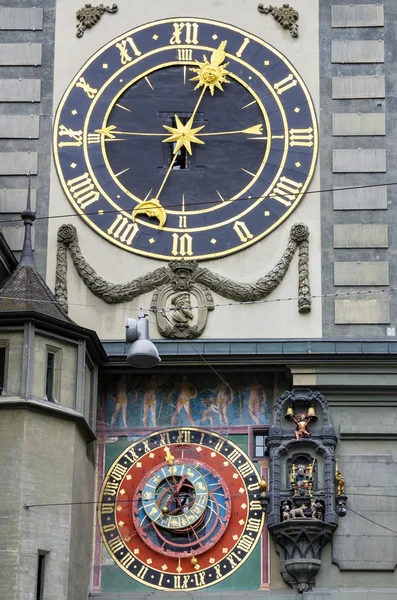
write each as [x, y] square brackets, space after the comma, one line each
[111, 131]
[254, 130]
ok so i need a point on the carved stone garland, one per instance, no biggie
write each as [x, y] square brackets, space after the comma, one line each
[183, 276]
[90, 15]
[285, 15]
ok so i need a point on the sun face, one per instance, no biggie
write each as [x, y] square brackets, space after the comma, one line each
[212, 73]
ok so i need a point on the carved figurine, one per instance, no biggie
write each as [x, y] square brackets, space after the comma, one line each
[302, 421]
[298, 513]
[341, 483]
[313, 507]
[301, 478]
[286, 510]
[319, 511]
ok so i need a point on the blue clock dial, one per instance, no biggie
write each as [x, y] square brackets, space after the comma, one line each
[185, 139]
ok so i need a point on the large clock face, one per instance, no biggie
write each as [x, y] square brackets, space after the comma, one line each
[185, 139]
[180, 509]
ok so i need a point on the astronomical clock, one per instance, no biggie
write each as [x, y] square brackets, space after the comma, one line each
[180, 509]
[185, 139]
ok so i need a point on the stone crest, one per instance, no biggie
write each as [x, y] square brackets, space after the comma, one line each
[182, 306]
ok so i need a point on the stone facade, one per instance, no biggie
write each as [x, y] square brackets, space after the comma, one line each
[54, 454]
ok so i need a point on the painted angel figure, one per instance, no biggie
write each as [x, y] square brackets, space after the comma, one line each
[302, 420]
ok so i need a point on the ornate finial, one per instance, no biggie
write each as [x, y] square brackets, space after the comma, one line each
[28, 216]
[285, 15]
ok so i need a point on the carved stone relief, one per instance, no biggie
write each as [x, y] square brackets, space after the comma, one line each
[89, 15]
[285, 15]
[182, 295]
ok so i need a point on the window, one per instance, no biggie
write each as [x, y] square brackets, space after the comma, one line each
[259, 443]
[50, 377]
[40, 574]
[181, 161]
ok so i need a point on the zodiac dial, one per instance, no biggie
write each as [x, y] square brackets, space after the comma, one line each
[185, 139]
[180, 509]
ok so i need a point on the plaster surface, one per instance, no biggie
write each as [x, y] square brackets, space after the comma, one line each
[271, 319]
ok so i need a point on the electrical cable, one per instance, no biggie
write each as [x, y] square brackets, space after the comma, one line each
[163, 309]
[216, 201]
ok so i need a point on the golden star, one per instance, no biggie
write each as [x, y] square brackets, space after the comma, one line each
[183, 135]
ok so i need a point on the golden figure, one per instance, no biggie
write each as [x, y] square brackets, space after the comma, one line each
[341, 483]
[169, 457]
[263, 484]
[151, 208]
[212, 73]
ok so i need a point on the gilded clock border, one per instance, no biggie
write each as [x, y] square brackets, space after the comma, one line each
[109, 474]
[216, 24]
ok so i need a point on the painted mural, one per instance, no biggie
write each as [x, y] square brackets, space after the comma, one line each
[202, 400]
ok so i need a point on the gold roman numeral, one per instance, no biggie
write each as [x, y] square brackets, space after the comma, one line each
[285, 84]
[242, 231]
[254, 525]
[219, 445]
[246, 469]
[182, 221]
[199, 578]
[111, 488]
[83, 190]
[116, 544]
[243, 46]
[185, 54]
[107, 509]
[76, 135]
[301, 137]
[286, 191]
[233, 559]
[123, 229]
[233, 456]
[164, 439]
[118, 472]
[245, 543]
[131, 455]
[142, 572]
[182, 245]
[188, 32]
[127, 560]
[86, 87]
[183, 437]
[123, 49]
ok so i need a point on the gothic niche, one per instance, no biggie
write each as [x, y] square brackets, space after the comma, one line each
[306, 488]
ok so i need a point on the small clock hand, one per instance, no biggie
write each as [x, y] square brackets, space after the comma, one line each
[111, 131]
[254, 130]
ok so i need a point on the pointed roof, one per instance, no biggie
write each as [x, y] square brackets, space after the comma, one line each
[25, 290]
